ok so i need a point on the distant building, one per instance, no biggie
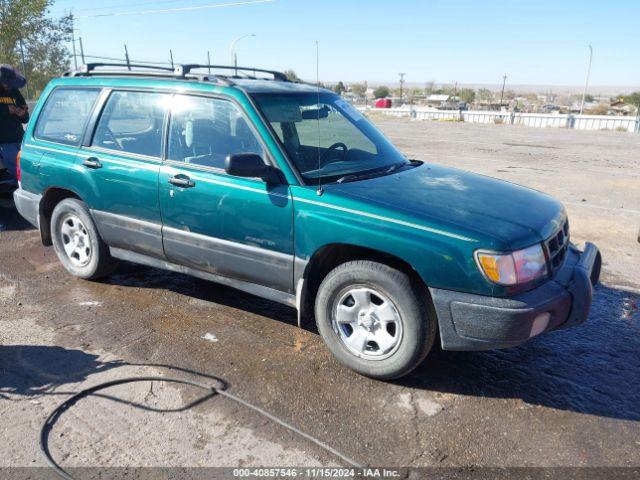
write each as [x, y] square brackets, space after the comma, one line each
[619, 107]
[439, 100]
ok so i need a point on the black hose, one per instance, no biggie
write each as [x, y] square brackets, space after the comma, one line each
[53, 417]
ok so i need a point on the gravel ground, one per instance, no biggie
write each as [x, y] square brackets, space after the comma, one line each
[571, 398]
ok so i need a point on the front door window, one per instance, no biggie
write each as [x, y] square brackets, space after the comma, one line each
[204, 131]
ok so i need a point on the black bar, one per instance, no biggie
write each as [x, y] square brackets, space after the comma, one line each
[276, 75]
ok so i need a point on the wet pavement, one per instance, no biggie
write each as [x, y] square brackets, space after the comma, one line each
[571, 398]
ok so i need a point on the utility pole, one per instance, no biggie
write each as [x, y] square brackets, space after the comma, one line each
[366, 99]
[455, 91]
[73, 43]
[24, 65]
[504, 82]
[232, 49]
[401, 84]
[209, 61]
[81, 50]
[586, 82]
[126, 56]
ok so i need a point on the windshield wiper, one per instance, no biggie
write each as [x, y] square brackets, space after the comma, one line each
[362, 175]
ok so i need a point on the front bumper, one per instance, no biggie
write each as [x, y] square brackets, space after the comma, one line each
[477, 322]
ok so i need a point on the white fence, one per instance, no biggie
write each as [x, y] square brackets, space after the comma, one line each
[539, 120]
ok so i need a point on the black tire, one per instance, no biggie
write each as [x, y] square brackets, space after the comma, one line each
[100, 263]
[412, 303]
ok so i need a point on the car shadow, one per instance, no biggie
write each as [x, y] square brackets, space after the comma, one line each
[132, 275]
[10, 219]
[593, 368]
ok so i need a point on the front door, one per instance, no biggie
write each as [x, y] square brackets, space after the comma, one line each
[235, 227]
[122, 167]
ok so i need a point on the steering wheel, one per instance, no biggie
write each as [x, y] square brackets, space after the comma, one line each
[331, 150]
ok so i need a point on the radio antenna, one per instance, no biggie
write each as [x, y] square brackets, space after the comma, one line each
[319, 191]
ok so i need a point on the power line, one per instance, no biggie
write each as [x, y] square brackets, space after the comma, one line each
[174, 10]
[118, 5]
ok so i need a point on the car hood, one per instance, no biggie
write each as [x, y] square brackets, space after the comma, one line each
[512, 215]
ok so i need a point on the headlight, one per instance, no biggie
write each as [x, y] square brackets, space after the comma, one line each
[515, 268]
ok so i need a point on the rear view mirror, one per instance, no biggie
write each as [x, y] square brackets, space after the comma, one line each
[251, 165]
[315, 113]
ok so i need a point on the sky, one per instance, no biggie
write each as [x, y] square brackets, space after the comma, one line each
[538, 42]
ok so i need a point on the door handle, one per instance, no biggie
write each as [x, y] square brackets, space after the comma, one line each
[92, 162]
[182, 181]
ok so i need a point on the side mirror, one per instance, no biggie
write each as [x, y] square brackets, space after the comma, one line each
[251, 165]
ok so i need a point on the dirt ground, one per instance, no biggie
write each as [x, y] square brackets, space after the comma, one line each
[571, 398]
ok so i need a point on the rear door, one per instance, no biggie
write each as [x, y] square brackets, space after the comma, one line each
[240, 228]
[51, 146]
[121, 167]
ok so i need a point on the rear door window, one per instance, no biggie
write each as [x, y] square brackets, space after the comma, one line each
[64, 115]
[131, 122]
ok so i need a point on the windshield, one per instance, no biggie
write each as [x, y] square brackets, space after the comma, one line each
[328, 139]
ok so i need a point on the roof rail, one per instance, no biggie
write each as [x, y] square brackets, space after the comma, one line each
[92, 68]
[178, 71]
[193, 66]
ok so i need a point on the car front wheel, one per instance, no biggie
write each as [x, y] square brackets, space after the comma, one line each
[374, 320]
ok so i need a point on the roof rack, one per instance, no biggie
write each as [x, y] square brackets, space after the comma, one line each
[123, 69]
[279, 76]
[178, 71]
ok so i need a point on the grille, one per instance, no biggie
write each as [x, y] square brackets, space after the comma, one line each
[557, 246]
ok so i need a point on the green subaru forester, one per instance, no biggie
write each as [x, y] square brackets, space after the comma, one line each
[286, 191]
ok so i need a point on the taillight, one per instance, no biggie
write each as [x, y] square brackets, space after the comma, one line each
[18, 170]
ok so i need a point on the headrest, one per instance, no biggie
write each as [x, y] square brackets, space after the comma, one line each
[199, 133]
[242, 127]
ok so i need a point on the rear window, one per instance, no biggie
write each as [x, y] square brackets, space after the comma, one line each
[65, 115]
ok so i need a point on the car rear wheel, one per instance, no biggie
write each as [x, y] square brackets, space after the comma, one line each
[374, 320]
[77, 242]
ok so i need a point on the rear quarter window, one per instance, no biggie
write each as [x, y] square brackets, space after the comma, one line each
[65, 115]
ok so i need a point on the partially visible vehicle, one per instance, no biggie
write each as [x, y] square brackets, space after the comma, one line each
[384, 103]
[462, 106]
[550, 108]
